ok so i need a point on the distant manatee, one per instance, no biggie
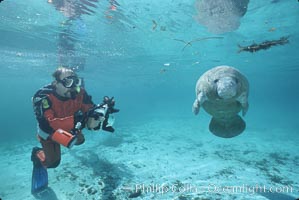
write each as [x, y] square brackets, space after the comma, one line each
[220, 16]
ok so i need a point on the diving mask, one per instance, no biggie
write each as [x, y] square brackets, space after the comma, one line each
[71, 82]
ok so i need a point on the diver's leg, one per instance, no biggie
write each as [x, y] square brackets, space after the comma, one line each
[80, 139]
[47, 157]
[52, 152]
[39, 173]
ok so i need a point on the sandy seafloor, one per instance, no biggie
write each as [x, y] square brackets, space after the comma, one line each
[164, 159]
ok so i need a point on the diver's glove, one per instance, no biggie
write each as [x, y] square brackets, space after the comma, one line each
[109, 120]
[79, 120]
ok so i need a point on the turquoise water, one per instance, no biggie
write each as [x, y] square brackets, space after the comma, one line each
[133, 54]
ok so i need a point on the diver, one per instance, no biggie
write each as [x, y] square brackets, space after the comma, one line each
[62, 109]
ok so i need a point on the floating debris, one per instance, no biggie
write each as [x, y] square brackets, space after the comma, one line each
[264, 45]
[196, 40]
[154, 25]
[19, 54]
[272, 29]
[163, 28]
[135, 194]
[162, 71]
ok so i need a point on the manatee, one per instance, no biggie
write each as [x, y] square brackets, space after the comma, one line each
[223, 92]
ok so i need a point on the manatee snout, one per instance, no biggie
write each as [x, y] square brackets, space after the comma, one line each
[227, 87]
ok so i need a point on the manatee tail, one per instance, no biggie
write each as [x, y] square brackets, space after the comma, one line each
[227, 128]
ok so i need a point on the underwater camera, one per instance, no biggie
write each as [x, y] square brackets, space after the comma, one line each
[101, 111]
[102, 115]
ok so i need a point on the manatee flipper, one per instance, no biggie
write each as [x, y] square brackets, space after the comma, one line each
[244, 102]
[227, 128]
[200, 99]
[244, 108]
[195, 107]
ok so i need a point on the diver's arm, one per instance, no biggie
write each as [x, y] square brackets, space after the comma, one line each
[88, 108]
[87, 103]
